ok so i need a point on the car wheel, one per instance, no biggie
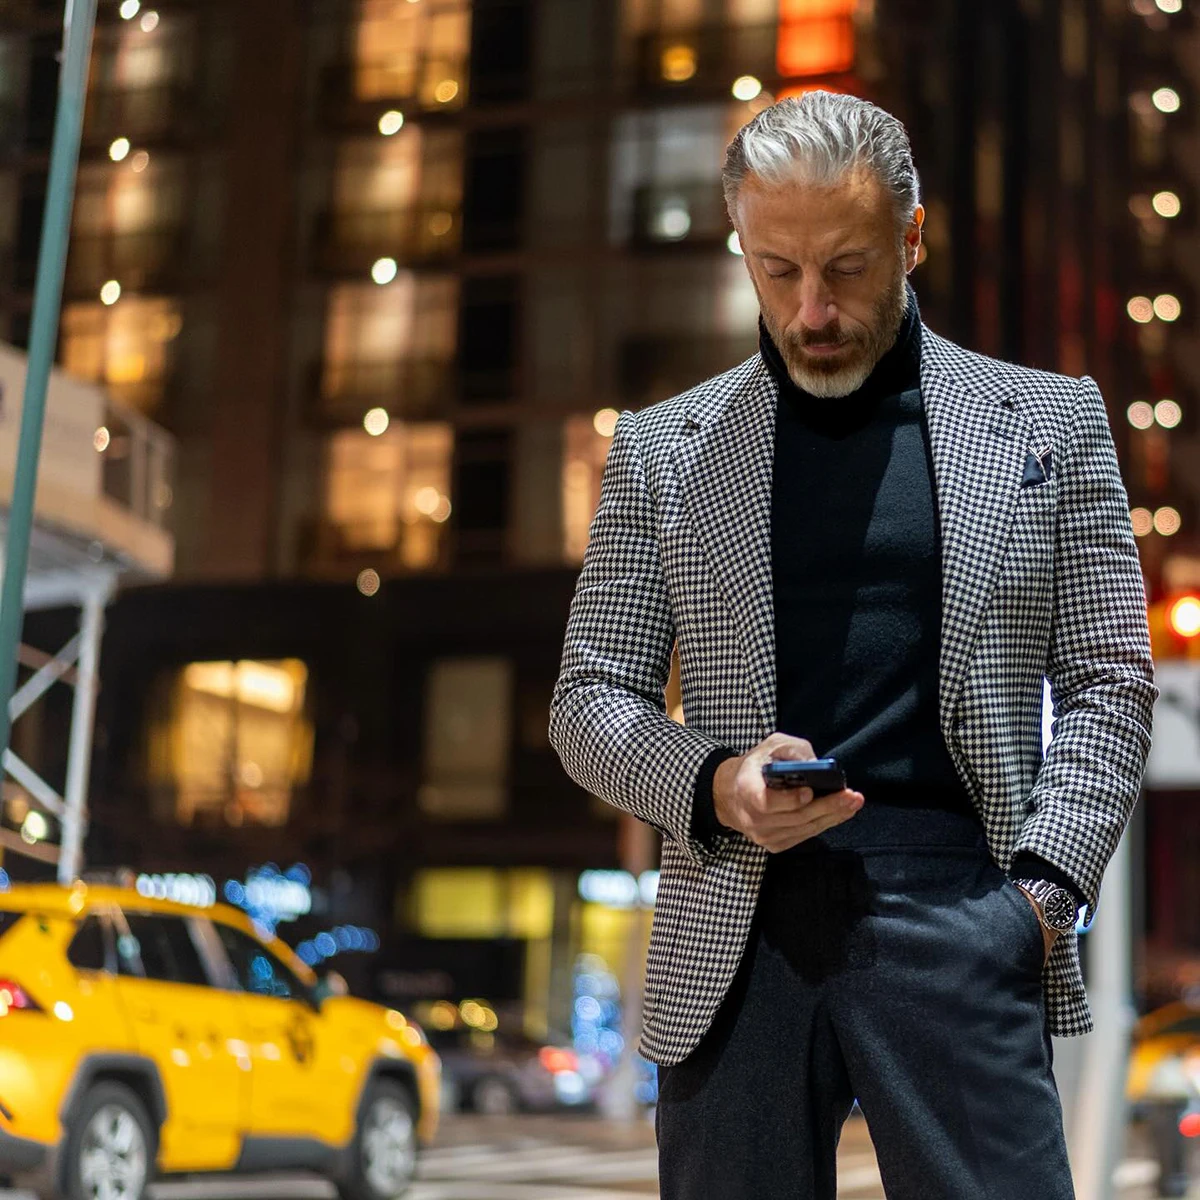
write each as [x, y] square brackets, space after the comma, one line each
[110, 1148]
[494, 1097]
[383, 1155]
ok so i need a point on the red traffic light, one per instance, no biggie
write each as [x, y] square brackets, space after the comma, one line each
[1183, 616]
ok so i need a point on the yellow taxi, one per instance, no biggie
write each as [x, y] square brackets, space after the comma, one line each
[1164, 1063]
[141, 1038]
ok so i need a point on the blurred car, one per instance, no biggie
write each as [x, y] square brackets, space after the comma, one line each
[141, 1038]
[496, 1073]
[1163, 1088]
[1164, 1061]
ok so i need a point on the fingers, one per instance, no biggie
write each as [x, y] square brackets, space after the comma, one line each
[781, 831]
[783, 747]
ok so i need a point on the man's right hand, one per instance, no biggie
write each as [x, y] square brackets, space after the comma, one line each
[776, 818]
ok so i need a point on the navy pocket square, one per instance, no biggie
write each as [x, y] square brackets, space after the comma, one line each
[1039, 467]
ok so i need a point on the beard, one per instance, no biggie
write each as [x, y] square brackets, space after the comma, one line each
[843, 373]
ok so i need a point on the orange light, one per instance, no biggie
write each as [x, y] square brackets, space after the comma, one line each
[816, 37]
[1189, 1125]
[555, 1060]
[1184, 618]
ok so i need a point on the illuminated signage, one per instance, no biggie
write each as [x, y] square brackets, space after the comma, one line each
[619, 889]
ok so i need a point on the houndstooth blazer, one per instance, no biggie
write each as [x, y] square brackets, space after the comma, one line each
[1038, 581]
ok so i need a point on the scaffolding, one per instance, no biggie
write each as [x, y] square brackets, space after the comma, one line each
[104, 492]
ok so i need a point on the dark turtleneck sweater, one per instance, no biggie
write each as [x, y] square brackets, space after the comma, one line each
[857, 572]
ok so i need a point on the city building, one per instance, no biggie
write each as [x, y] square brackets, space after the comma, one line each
[387, 270]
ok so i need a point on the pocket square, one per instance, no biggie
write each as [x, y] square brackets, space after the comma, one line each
[1039, 467]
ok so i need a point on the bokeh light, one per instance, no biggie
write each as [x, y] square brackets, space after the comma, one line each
[368, 582]
[110, 293]
[376, 421]
[605, 422]
[734, 243]
[1168, 413]
[391, 122]
[746, 87]
[678, 63]
[1167, 307]
[1184, 616]
[150, 22]
[1141, 309]
[1142, 520]
[119, 150]
[130, 9]
[384, 271]
[1167, 521]
[1167, 204]
[1166, 100]
[446, 91]
[1140, 414]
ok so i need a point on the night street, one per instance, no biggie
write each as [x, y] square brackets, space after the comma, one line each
[557, 1158]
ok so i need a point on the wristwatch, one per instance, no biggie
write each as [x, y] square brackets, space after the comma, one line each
[1056, 907]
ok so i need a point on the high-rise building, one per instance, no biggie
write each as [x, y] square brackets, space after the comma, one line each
[387, 269]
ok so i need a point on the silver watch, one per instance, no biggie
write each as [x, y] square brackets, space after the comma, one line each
[1056, 907]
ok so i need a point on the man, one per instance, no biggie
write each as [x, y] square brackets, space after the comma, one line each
[868, 543]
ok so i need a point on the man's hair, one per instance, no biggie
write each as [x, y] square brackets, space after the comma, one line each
[818, 138]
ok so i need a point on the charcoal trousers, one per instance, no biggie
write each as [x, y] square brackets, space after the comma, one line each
[892, 962]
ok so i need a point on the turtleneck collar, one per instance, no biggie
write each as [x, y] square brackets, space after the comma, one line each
[899, 370]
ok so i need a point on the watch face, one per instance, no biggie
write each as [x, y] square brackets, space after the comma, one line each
[1059, 910]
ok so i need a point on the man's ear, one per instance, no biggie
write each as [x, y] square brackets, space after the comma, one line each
[912, 239]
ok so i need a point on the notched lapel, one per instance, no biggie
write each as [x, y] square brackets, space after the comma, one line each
[725, 462]
[978, 443]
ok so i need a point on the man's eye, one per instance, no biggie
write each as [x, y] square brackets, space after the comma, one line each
[847, 272]
[781, 274]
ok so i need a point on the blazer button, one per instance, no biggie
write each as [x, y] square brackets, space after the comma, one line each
[1031, 806]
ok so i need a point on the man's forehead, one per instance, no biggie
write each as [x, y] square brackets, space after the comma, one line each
[826, 213]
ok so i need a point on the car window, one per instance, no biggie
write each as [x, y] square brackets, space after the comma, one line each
[88, 950]
[8, 918]
[1186, 1025]
[165, 948]
[256, 969]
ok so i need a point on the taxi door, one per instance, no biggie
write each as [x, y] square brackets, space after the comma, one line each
[301, 1083]
[184, 1025]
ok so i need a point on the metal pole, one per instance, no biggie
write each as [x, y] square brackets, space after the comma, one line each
[79, 21]
[79, 752]
[1098, 1125]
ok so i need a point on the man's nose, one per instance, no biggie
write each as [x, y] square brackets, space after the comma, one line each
[817, 309]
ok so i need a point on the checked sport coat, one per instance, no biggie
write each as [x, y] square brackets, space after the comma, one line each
[1040, 580]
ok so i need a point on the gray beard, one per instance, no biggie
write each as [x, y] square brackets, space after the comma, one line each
[840, 382]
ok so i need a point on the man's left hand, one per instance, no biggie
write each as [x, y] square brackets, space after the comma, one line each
[1048, 935]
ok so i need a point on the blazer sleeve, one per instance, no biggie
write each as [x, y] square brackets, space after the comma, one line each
[1099, 664]
[608, 719]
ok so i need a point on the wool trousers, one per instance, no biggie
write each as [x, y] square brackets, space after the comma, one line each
[891, 963]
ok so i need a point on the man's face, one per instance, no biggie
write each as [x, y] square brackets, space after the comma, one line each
[829, 268]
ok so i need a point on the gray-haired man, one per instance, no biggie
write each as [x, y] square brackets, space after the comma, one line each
[867, 541]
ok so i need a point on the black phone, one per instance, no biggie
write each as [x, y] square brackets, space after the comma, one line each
[823, 775]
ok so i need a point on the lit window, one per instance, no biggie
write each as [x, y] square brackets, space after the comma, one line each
[678, 63]
[232, 742]
[390, 492]
[816, 37]
[397, 195]
[412, 51]
[389, 347]
[127, 347]
[585, 449]
[468, 719]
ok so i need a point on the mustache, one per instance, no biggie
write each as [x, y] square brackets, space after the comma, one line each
[831, 335]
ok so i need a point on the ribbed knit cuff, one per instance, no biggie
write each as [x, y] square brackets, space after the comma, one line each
[705, 826]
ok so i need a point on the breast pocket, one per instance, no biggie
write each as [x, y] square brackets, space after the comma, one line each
[1026, 578]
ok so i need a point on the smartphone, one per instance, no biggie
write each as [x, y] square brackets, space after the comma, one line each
[823, 775]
